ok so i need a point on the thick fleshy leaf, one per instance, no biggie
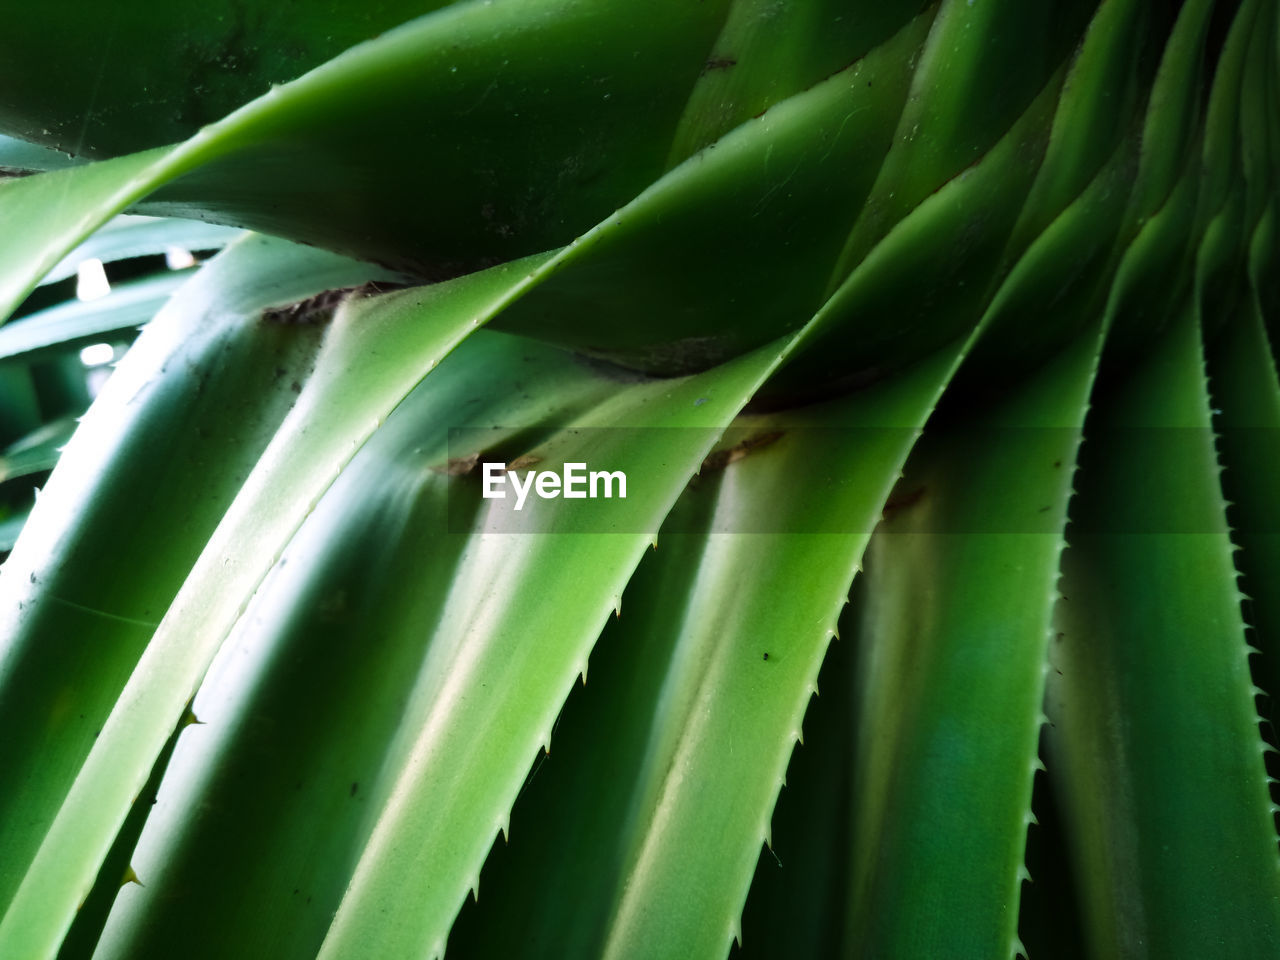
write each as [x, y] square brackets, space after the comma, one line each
[1092, 117]
[482, 73]
[797, 900]
[930, 278]
[991, 166]
[354, 386]
[140, 487]
[513, 586]
[10, 529]
[761, 213]
[1154, 730]
[20, 157]
[69, 82]
[768, 51]
[641, 832]
[46, 216]
[117, 871]
[961, 102]
[952, 652]
[1173, 108]
[1246, 391]
[306, 699]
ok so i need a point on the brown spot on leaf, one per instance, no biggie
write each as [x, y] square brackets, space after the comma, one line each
[719, 459]
[901, 503]
[310, 312]
[458, 466]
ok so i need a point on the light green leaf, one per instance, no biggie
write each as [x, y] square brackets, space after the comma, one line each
[37, 452]
[517, 616]
[642, 830]
[306, 698]
[121, 312]
[20, 157]
[140, 487]
[129, 236]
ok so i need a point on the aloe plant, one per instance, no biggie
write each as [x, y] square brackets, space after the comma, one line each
[933, 341]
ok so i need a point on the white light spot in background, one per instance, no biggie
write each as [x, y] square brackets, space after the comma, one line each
[96, 354]
[178, 258]
[91, 280]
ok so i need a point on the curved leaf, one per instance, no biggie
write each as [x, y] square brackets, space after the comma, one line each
[138, 490]
[952, 648]
[641, 833]
[1154, 729]
[126, 308]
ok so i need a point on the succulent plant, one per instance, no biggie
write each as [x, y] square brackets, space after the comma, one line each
[942, 327]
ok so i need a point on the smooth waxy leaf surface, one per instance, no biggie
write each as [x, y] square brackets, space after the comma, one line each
[474, 68]
[1244, 386]
[1154, 732]
[518, 619]
[139, 489]
[641, 831]
[952, 648]
[308, 697]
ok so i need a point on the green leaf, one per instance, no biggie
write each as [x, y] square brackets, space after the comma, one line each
[307, 713]
[129, 236]
[121, 312]
[138, 490]
[482, 73]
[1173, 107]
[144, 72]
[528, 642]
[1154, 729]
[1221, 135]
[58, 210]
[10, 528]
[641, 832]
[117, 869]
[37, 452]
[1092, 117]
[768, 51]
[931, 277]
[961, 103]
[19, 157]
[745, 211]
[762, 214]
[952, 652]
[1244, 386]
[797, 899]
[356, 383]
[19, 405]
